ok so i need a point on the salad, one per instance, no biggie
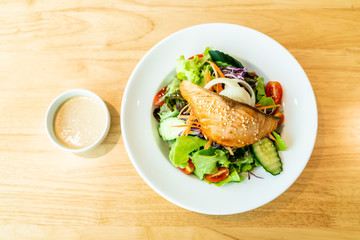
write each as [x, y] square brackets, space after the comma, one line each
[220, 120]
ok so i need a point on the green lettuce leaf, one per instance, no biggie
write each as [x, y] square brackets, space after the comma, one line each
[246, 167]
[243, 159]
[200, 174]
[261, 94]
[184, 145]
[226, 180]
[191, 69]
[266, 101]
[233, 177]
[168, 114]
[205, 161]
[260, 89]
[173, 87]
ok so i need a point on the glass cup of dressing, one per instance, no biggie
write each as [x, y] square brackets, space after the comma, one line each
[77, 120]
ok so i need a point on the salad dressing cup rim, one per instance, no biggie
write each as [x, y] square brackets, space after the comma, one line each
[57, 103]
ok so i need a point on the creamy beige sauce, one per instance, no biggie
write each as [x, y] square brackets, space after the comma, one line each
[79, 122]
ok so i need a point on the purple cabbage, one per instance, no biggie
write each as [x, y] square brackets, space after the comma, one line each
[234, 72]
[253, 175]
[215, 145]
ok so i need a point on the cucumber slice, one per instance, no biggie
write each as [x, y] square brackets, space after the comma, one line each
[266, 153]
[168, 131]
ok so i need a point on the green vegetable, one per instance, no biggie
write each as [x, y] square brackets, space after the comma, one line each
[266, 153]
[173, 87]
[168, 114]
[260, 89]
[219, 184]
[205, 161]
[218, 56]
[280, 142]
[261, 94]
[246, 167]
[266, 101]
[199, 173]
[184, 145]
[243, 159]
[233, 177]
[172, 96]
[167, 130]
[187, 69]
[191, 69]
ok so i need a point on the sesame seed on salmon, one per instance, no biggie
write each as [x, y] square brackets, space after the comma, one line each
[225, 121]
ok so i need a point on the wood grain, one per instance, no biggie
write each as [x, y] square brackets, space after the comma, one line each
[47, 47]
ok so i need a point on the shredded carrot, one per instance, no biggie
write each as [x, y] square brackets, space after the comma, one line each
[272, 137]
[190, 123]
[271, 106]
[217, 70]
[186, 125]
[184, 133]
[257, 105]
[187, 117]
[230, 150]
[219, 88]
[188, 110]
[183, 109]
[208, 144]
[183, 116]
[209, 75]
[214, 69]
[206, 79]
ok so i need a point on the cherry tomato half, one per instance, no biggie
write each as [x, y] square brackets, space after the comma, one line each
[280, 115]
[189, 168]
[199, 55]
[221, 174]
[158, 96]
[274, 90]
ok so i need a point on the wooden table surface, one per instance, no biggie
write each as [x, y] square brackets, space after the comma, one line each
[47, 47]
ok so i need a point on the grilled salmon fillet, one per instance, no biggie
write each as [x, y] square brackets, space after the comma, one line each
[225, 121]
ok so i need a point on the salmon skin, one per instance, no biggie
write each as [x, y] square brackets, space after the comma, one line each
[225, 121]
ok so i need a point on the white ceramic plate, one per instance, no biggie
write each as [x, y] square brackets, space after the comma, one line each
[149, 154]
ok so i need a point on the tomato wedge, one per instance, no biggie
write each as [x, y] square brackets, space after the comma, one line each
[279, 114]
[158, 96]
[189, 168]
[274, 90]
[199, 55]
[221, 174]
